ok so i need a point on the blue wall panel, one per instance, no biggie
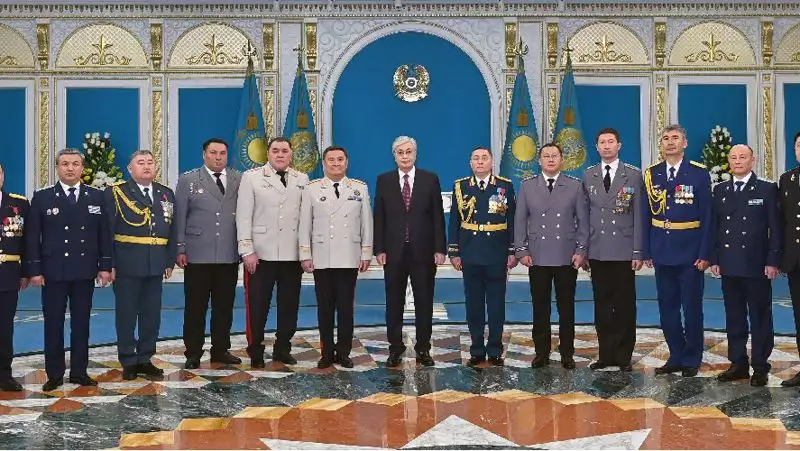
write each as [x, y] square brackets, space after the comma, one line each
[112, 110]
[703, 107]
[205, 113]
[617, 107]
[12, 129]
[791, 119]
[448, 124]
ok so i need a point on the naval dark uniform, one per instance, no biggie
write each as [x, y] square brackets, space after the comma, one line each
[144, 247]
[789, 202]
[677, 233]
[747, 238]
[481, 234]
[13, 214]
[68, 242]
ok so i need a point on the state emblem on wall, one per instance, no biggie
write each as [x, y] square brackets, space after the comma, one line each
[411, 82]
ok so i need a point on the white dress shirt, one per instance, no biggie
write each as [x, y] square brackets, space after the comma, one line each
[66, 188]
[485, 180]
[744, 179]
[677, 168]
[223, 177]
[149, 187]
[613, 171]
[411, 175]
[555, 177]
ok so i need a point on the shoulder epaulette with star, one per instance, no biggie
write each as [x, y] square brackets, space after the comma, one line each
[500, 177]
[257, 168]
[121, 182]
[191, 170]
[45, 188]
[699, 165]
[766, 180]
[572, 177]
[359, 181]
[17, 196]
[654, 164]
[632, 166]
[592, 166]
[294, 172]
[314, 181]
[462, 179]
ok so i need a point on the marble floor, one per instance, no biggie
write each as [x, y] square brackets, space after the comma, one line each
[444, 407]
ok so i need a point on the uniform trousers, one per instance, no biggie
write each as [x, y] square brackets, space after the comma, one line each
[201, 281]
[55, 297]
[485, 294]
[542, 279]
[137, 299]
[614, 288]
[258, 296]
[794, 292]
[749, 296]
[8, 308]
[336, 290]
[680, 288]
[423, 278]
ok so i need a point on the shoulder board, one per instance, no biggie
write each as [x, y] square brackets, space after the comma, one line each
[359, 181]
[314, 181]
[699, 165]
[592, 166]
[499, 177]
[630, 166]
[44, 188]
[17, 196]
[121, 182]
[530, 177]
[654, 164]
[462, 179]
[572, 177]
[766, 180]
[191, 170]
[294, 171]
[257, 168]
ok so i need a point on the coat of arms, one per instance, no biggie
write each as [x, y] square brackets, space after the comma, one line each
[411, 82]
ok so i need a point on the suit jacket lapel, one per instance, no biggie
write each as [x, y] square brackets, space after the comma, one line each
[545, 193]
[620, 178]
[415, 190]
[273, 179]
[136, 193]
[211, 183]
[233, 184]
[396, 188]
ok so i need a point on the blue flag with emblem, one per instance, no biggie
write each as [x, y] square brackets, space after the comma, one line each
[568, 133]
[251, 141]
[299, 127]
[522, 142]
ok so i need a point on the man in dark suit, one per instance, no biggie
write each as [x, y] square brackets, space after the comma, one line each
[409, 241]
[144, 254]
[68, 246]
[205, 227]
[746, 253]
[13, 278]
[789, 201]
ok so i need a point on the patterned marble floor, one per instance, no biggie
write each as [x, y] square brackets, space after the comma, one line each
[447, 406]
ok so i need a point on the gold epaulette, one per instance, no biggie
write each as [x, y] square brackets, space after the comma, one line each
[499, 177]
[118, 183]
[315, 181]
[257, 168]
[17, 196]
[699, 165]
[359, 181]
[654, 164]
[461, 179]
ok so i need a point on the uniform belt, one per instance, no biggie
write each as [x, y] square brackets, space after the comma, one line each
[149, 240]
[9, 258]
[668, 225]
[483, 227]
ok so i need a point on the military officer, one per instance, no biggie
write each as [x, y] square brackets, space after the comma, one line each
[551, 234]
[614, 191]
[746, 252]
[678, 233]
[205, 225]
[267, 219]
[335, 244]
[481, 232]
[144, 255]
[68, 246]
[789, 201]
[13, 277]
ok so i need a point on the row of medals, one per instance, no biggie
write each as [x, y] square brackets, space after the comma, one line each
[14, 227]
[684, 194]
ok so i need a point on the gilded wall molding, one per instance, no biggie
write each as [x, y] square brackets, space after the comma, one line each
[269, 113]
[512, 36]
[661, 118]
[788, 52]
[660, 30]
[552, 45]
[158, 134]
[552, 110]
[43, 44]
[311, 45]
[607, 43]
[15, 52]
[268, 32]
[156, 45]
[43, 147]
[209, 46]
[712, 44]
[101, 46]
[768, 144]
[766, 42]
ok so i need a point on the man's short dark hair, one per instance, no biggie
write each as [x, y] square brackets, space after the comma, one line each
[608, 131]
[332, 148]
[279, 139]
[482, 148]
[214, 141]
[551, 144]
[796, 137]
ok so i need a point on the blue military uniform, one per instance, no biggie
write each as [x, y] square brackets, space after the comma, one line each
[747, 239]
[13, 214]
[144, 246]
[481, 234]
[678, 233]
[68, 242]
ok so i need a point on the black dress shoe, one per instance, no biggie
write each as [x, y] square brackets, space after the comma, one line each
[345, 361]
[734, 373]
[325, 362]
[257, 363]
[599, 365]
[129, 373]
[667, 369]
[475, 361]
[540, 361]
[424, 358]
[149, 369]
[53, 384]
[568, 363]
[191, 364]
[759, 379]
[394, 360]
[84, 381]
[227, 359]
[689, 372]
[793, 382]
[285, 357]
[626, 367]
[496, 361]
[10, 385]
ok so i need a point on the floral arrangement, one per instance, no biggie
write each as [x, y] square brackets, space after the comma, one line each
[100, 169]
[715, 155]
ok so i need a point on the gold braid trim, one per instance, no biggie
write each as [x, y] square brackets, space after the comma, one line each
[461, 206]
[146, 214]
[657, 200]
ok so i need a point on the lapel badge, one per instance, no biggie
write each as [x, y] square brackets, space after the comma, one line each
[49, 212]
[59, 194]
[55, 211]
[322, 199]
[793, 177]
[356, 193]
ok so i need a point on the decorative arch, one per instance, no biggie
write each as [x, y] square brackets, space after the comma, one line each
[212, 46]
[789, 47]
[478, 58]
[102, 46]
[607, 44]
[712, 44]
[17, 52]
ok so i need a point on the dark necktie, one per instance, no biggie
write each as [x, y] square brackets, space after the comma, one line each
[482, 185]
[607, 178]
[73, 198]
[407, 202]
[671, 174]
[283, 176]
[219, 182]
[550, 184]
[147, 199]
[336, 189]
[739, 186]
